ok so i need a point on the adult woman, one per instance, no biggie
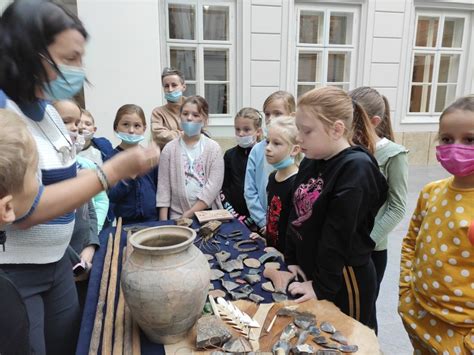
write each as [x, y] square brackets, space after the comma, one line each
[41, 48]
[165, 120]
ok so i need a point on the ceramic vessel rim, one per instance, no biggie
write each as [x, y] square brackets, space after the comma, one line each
[191, 235]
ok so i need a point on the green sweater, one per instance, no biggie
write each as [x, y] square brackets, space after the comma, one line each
[393, 164]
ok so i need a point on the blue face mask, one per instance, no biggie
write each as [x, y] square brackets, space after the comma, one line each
[173, 96]
[66, 85]
[284, 163]
[191, 129]
[129, 138]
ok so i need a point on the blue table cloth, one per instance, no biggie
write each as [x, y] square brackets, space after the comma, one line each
[147, 347]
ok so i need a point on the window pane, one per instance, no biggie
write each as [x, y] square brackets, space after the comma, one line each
[338, 67]
[426, 31]
[216, 23]
[181, 21]
[190, 90]
[445, 94]
[340, 28]
[423, 68]
[184, 60]
[448, 68]
[216, 96]
[309, 67]
[304, 88]
[215, 65]
[452, 33]
[311, 27]
[420, 98]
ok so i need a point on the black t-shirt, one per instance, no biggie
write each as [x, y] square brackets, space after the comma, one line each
[334, 204]
[235, 163]
[279, 206]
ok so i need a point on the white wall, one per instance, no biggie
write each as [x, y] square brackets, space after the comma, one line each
[122, 58]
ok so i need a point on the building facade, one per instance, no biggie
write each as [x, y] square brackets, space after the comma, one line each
[418, 53]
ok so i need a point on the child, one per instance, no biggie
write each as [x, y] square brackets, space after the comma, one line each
[19, 184]
[436, 280]
[248, 131]
[337, 193]
[283, 154]
[95, 149]
[70, 113]
[393, 163]
[256, 175]
[133, 199]
[165, 120]
[191, 167]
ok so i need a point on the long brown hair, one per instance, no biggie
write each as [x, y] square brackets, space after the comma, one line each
[375, 104]
[330, 104]
[287, 98]
[129, 109]
[465, 103]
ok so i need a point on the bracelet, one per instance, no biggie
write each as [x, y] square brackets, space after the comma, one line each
[102, 178]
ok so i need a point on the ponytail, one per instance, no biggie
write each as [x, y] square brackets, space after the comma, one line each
[362, 129]
[384, 129]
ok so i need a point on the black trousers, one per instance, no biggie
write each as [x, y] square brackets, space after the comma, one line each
[379, 259]
[50, 296]
[356, 298]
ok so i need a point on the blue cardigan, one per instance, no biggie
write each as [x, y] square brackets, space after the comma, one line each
[135, 199]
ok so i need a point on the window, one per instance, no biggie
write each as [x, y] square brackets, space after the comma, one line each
[437, 57]
[200, 43]
[326, 47]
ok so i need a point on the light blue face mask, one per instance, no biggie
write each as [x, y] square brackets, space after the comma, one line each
[191, 129]
[67, 85]
[129, 138]
[173, 96]
[284, 163]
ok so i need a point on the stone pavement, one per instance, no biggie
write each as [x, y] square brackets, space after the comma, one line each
[392, 336]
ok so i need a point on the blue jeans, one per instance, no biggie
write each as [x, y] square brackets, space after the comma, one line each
[50, 296]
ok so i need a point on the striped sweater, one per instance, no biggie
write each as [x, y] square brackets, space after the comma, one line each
[47, 242]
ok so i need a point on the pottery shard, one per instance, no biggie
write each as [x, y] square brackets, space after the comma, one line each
[252, 279]
[256, 298]
[279, 297]
[240, 281]
[341, 339]
[185, 222]
[273, 265]
[280, 279]
[216, 274]
[268, 286]
[217, 293]
[254, 271]
[235, 274]
[229, 285]
[327, 352]
[237, 345]
[222, 256]
[302, 349]
[211, 331]
[327, 327]
[237, 295]
[232, 265]
[209, 257]
[349, 348]
[242, 256]
[252, 263]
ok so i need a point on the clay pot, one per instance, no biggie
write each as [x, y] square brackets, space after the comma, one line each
[165, 282]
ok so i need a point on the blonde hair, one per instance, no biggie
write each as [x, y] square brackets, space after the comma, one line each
[88, 114]
[289, 132]
[288, 99]
[330, 104]
[18, 151]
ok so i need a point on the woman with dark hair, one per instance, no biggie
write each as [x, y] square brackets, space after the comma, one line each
[41, 49]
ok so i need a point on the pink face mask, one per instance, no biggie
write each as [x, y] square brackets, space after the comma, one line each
[458, 159]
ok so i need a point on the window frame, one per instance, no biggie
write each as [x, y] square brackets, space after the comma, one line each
[432, 116]
[200, 45]
[325, 48]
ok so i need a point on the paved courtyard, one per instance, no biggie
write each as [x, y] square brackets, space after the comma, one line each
[392, 336]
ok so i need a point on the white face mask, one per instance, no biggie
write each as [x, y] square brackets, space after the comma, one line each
[87, 134]
[246, 141]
